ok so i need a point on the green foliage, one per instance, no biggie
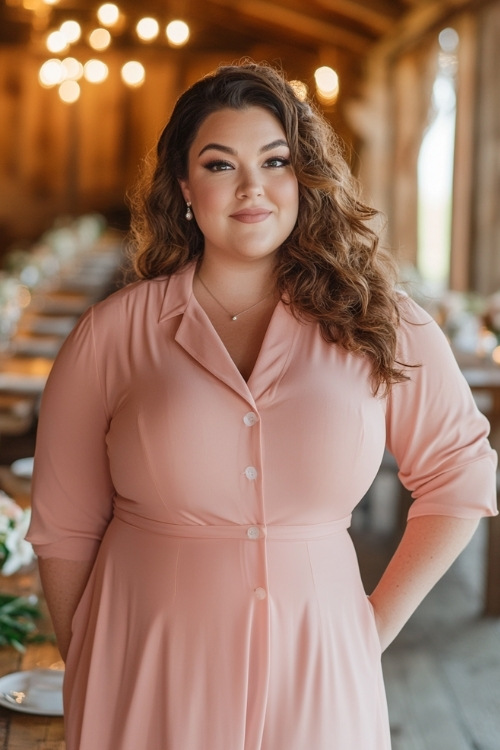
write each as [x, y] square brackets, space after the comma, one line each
[17, 621]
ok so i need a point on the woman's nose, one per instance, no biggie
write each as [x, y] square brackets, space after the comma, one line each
[249, 184]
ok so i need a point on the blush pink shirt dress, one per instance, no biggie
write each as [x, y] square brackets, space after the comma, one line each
[225, 609]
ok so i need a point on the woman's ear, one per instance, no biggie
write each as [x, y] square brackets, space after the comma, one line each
[185, 190]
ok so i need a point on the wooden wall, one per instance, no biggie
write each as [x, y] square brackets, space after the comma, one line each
[485, 192]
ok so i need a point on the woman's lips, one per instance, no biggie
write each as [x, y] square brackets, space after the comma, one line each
[251, 216]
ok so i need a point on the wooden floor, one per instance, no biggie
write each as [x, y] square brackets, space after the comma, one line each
[442, 673]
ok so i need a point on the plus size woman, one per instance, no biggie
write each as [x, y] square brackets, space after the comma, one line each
[207, 431]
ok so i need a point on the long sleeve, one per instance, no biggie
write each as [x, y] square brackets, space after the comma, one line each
[434, 429]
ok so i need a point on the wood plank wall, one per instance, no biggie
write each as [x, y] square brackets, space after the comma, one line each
[485, 193]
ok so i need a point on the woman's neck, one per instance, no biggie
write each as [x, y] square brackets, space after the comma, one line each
[238, 286]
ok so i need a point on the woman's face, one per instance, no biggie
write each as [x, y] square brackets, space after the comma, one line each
[241, 185]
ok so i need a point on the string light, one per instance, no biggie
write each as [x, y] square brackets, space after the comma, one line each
[327, 84]
[69, 91]
[72, 69]
[95, 71]
[51, 73]
[57, 42]
[99, 39]
[147, 29]
[108, 14]
[133, 73]
[71, 31]
[177, 33]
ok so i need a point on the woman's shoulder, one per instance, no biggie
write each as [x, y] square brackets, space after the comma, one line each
[420, 338]
[132, 295]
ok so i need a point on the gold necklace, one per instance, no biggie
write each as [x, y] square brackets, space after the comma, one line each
[233, 316]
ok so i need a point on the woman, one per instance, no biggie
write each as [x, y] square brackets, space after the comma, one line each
[207, 431]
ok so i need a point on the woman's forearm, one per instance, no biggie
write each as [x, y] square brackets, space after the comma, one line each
[63, 582]
[429, 546]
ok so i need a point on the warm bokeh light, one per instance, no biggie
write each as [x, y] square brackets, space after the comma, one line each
[327, 84]
[495, 355]
[108, 14]
[24, 296]
[147, 29]
[133, 73]
[72, 69]
[177, 33]
[300, 89]
[56, 42]
[51, 73]
[100, 39]
[448, 40]
[95, 71]
[51, 2]
[69, 91]
[71, 31]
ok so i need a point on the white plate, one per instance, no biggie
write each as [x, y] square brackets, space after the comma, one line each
[23, 468]
[35, 691]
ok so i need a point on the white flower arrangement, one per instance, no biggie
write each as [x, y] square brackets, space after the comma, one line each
[15, 550]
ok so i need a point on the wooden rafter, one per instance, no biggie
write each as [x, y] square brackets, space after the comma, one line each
[298, 23]
[379, 16]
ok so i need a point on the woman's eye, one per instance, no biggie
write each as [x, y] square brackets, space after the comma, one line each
[278, 161]
[218, 166]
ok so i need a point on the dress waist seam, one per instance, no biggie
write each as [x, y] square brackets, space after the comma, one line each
[249, 532]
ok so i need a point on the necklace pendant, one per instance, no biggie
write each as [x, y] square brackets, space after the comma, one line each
[234, 317]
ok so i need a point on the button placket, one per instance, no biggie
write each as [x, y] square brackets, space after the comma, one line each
[252, 477]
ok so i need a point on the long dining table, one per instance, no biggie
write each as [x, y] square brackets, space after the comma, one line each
[482, 374]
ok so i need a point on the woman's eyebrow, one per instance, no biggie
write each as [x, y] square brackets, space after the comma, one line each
[233, 152]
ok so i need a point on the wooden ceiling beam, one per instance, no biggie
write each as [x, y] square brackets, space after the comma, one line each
[303, 25]
[418, 22]
[379, 17]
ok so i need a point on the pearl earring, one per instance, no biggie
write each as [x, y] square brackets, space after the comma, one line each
[189, 213]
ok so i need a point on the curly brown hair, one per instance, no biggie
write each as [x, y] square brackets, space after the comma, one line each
[330, 269]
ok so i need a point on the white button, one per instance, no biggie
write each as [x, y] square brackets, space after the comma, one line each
[253, 532]
[251, 472]
[250, 419]
[260, 593]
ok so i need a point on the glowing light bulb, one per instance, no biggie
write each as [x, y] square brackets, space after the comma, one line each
[71, 31]
[327, 83]
[72, 69]
[108, 14]
[177, 33]
[147, 29]
[69, 91]
[51, 73]
[56, 42]
[133, 73]
[95, 71]
[100, 39]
